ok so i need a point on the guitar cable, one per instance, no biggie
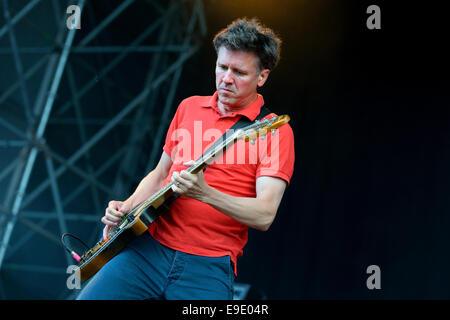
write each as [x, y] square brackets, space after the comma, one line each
[72, 253]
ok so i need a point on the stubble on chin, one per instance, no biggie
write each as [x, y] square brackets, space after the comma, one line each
[225, 98]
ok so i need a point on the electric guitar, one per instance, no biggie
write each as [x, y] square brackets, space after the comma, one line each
[137, 221]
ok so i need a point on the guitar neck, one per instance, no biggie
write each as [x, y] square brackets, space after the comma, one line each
[250, 132]
[165, 192]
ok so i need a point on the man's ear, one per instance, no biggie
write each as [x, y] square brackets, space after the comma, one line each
[262, 77]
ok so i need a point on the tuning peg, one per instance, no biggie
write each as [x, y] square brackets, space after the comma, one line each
[252, 141]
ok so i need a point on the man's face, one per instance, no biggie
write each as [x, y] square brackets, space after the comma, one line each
[237, 77]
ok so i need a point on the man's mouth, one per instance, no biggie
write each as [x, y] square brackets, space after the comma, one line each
[226, 90]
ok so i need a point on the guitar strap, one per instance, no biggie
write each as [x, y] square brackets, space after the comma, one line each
[244, 121]
[241, 123]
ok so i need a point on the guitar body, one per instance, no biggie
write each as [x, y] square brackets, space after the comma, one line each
[102, 253]
[105, 250]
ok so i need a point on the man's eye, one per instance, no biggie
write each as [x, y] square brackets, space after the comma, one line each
[240, 73]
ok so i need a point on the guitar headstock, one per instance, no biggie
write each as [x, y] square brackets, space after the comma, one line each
[260, 128]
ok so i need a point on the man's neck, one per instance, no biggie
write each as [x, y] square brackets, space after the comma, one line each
[226, 109]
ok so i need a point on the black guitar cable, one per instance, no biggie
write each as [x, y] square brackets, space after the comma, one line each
[72, 253]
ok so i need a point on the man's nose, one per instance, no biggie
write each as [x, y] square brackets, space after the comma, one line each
[228, 77]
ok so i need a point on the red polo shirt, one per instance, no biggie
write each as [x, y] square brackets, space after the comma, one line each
[197, 228]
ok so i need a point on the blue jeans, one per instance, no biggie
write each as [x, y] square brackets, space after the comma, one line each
[146, 269]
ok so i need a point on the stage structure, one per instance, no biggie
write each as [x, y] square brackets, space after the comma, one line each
[83, 116]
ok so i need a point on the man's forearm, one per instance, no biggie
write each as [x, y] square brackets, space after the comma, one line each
[255, 213]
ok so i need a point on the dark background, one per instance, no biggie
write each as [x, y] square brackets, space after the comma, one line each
[370, 114]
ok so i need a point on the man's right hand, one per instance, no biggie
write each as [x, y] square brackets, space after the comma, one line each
[113, 215]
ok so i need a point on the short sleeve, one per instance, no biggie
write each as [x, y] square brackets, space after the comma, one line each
[277, 154]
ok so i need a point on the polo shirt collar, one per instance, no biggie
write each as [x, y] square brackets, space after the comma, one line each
[251, 111]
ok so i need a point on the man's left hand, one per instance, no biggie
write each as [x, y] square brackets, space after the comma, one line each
[188, 184]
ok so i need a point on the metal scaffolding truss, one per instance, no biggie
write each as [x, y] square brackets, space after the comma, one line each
[83, 115]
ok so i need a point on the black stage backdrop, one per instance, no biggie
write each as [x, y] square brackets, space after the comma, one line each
[370, 114]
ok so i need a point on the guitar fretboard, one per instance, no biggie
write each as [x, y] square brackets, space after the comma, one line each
[199, 164]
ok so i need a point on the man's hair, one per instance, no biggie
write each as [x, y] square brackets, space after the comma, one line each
[251, 36]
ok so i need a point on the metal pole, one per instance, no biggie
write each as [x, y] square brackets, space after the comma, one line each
[68, 199]
[114, 158]
[17, 62]
[28, 74]
[39, 132]
[32, 226]
[82, 132]
[34, 268]
[6, 170]
[105, 22]
[99, 49]
[72, 216]
[67, 164]
[137, 130]
[150, 29]
[19, 16]
[42, 61]
[197, 13]
[12, 143]
[114, 122]
[57, 201]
